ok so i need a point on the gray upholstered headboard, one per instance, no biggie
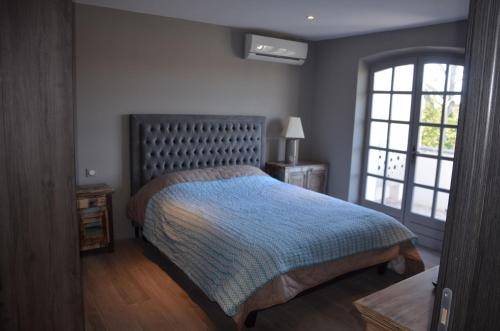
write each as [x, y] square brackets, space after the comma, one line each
[160, 144]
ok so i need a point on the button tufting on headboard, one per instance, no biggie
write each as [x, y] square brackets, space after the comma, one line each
[160, 144]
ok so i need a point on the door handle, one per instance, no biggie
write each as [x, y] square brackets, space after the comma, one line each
[413, 153]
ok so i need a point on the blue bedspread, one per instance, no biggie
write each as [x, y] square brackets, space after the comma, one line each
[233, 236]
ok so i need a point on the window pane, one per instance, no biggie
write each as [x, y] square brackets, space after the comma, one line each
[445, 171]
[380, 106]
[428, 140]
[378, 134]
[382, 80]
[398, 138]
[434, 77]
[425, 171]
[396, 165]
[422, 201]
[393, 194]
[451, 109]
[441, 208]
[374, 189]
[455, 78]
[376, 162]
[401, 107]
[449, 141]
[431, 108]
[403, 78]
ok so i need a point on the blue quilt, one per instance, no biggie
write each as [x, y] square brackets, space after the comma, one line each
[233, 236]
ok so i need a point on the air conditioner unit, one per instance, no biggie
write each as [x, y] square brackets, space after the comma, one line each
[275, 50]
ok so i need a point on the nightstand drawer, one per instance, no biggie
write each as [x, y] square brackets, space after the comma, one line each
[91, 202]
[298, 178]
[316, 180]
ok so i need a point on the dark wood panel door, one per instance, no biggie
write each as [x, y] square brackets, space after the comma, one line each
[470, 264]
[39, 259]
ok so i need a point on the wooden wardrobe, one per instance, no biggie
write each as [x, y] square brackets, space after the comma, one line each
[40, 285]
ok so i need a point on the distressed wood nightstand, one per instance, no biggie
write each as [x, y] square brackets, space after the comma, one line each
[309, 175]
[95, 215]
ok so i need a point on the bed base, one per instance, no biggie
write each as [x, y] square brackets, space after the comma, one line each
[162, 260]
[137, 230]
[382, 268]
[251, 319]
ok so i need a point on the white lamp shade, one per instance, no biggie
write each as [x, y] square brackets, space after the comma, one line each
[294, 129]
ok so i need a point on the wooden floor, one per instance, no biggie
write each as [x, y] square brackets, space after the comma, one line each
[135, 289]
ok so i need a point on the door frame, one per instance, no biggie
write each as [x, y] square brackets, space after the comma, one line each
[470, 267]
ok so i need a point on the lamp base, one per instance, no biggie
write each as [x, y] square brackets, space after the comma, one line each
[292, 151]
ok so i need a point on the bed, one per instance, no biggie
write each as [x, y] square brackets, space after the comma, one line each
[247, 240]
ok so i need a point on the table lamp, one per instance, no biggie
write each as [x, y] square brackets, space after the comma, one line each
[293, 133]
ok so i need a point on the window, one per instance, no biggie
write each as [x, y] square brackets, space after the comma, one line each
[413, 116]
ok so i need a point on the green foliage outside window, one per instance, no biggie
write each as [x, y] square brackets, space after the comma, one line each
[431, 113]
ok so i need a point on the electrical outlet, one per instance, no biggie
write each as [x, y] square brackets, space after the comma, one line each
[90, 172]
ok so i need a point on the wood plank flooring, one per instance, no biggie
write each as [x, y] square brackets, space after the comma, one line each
[136, 289]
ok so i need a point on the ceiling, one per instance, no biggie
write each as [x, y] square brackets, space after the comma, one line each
[333, 18]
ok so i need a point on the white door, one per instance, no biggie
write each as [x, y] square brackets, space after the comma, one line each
[411, 134]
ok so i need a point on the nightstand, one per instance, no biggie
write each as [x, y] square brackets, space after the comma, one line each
[95, 215]
[309, 175]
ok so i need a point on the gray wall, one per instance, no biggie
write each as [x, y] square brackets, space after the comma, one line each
[336, 122]
[133, 63]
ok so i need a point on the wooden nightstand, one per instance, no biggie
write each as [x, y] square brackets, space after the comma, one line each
[309, 175]
[95, 215]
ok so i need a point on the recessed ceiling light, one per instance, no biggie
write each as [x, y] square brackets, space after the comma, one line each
[310, 17]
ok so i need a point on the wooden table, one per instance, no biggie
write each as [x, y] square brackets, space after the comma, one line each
[406, 305]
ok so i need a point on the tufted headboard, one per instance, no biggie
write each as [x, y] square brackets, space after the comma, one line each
[160, 144]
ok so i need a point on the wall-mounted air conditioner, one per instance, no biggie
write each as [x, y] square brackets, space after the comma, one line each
[275, 50]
